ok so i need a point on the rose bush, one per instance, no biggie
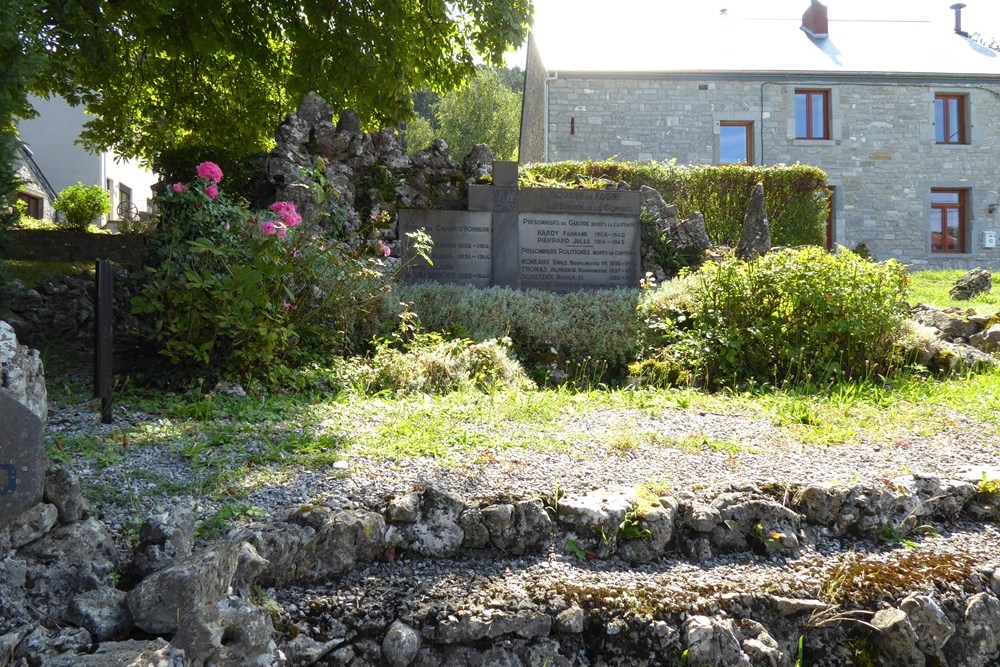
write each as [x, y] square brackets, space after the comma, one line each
[252, 294]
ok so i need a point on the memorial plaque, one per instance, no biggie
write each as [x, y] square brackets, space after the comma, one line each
[536, 238]
[463, 247]
[563, 252]
[22, 459]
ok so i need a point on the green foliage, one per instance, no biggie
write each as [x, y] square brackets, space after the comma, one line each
[484, 112]
[796, 315]
[158, 75]
[431, 364]
[631, 527]
[419, 134]
[224, 289]
[796, 196]
[82, 204]
[545, 328]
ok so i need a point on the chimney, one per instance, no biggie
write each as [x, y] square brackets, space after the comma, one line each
[814, 21]
[958, 7]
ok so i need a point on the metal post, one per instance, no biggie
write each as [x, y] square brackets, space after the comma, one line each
[103, 376]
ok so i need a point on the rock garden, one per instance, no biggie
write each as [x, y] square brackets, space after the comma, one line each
[777, 456]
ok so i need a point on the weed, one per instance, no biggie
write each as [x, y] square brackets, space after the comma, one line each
[903, 535]
[988, 485]
[574, 548]
[215, 524]
[631, 528]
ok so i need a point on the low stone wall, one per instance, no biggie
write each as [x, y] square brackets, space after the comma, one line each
[70, 246]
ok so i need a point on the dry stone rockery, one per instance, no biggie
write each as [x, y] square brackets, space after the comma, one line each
[180, 606]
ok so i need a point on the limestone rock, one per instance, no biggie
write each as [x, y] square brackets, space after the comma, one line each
[570, 621]
[314, 110]
[755, 236]
[896, 638]
[22, 469]
[280, 544]
[303, 651]
[658, 522]
[32, 524]
[987, 341]
[976, 643]
[341, 540]
[131, 653]
[597, 512]
[713, 642]
[400, 645]
[930, 623]
[951, 323]
[651, 201]
[436, 531]
[975, 281]
[21, 374]
[164, 539]
[476, 534]
[62, 489]
[478, 164]
[160, 600]
[232, 632]
[103, 612]
[69, 560]
[689, 236]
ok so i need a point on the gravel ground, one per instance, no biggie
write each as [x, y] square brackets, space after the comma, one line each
[367, 481]
[366, 600]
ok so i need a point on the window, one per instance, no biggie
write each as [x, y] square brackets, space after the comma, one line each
[949, 119]
[735, 142]
[812, 114]
[35, 205]
[947, 220]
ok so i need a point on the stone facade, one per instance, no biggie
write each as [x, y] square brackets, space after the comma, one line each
[882, 158]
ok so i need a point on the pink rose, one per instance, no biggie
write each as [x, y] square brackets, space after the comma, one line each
[211, 191]
[269, 227]
[286, 211]
[386, 250]
[179, 188]
[209, 171]
[282, 231]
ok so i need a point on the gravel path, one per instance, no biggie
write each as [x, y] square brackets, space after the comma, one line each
[766, 455]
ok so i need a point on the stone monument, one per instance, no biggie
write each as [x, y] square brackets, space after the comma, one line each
[537, 238]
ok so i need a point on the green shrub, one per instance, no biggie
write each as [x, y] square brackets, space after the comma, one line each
[434, 365]
[796, 195]
[82, 204]
[794, 315]
[574, 332]
[250, 294]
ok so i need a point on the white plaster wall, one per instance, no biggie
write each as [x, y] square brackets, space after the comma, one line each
[51, 136]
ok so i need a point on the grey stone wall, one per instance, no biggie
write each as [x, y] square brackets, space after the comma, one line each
[881, 157]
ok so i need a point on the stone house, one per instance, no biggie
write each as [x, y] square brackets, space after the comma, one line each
[51, 137]
[902, 113]
[35, 190]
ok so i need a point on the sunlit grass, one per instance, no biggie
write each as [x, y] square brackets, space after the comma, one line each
[932, 287]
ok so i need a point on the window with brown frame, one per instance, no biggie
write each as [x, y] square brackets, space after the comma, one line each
[947, 220]
[812, 114]
[950, 119]
[36, 207]
[735, 142]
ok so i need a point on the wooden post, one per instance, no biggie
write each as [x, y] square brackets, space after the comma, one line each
[103, 374]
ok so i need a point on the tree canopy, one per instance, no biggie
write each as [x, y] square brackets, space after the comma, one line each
[158, 74]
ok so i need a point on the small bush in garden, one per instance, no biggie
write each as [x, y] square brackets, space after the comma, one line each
[250, 293]
[431, 364]
[597, 329]
[82, 204]
[794, 315]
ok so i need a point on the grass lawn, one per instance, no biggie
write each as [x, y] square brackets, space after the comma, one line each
[931, 288]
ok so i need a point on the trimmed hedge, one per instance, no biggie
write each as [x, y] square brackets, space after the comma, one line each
[796, 195]
[594, 329]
